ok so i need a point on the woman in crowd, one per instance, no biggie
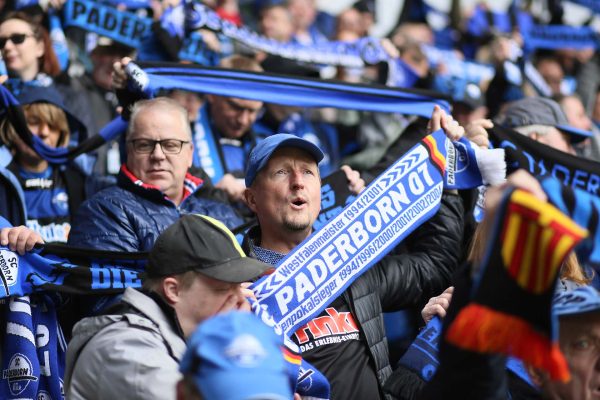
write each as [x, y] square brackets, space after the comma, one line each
[51, 192]
[31, 61]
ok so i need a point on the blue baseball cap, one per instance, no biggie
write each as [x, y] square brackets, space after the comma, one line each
[263, 151]
[582, 300]
[539, 111]
[235, 356]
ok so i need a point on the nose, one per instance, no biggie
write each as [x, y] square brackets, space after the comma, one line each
[8, 45]
[157, 152]
[43, 130]
[297, 180]
[245, 117]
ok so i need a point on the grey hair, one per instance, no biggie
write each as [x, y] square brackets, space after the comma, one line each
[162, 103]
[527, 130]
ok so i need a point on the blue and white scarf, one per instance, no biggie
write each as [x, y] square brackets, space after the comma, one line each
[323, 266]
[33, 349]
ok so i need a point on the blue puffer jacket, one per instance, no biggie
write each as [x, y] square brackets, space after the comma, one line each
[130, 216]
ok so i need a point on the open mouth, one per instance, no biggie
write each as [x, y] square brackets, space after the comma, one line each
[298, 202]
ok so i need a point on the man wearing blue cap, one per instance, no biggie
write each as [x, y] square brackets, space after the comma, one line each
[234, 356]
[346, 342]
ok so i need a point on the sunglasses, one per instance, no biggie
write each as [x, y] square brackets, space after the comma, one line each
[16, 38]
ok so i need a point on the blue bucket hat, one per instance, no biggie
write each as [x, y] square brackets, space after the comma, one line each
[235, 356]
[582, 300]
[48, 94]
[262, 152]
[539, 111]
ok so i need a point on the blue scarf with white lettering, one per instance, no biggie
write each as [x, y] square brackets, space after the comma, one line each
[60, 268]
[355, 54]
[323, 266]
[541, 160]
[33, 349]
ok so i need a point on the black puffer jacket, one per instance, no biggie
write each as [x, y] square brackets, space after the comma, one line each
[402, 280]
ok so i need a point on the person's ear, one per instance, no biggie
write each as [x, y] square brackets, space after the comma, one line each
[171, 290]
[39, 48]
[250, 199]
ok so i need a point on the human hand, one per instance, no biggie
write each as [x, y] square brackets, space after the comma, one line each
[520, 179]
[119, 76]
[437, 305]
[476, 132]
[441, 120]
[20, 239]
[355, 183]
[233, 186]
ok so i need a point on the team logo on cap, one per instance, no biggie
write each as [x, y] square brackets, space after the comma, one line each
[19, 373]
[43, 395]
[9, 265]
[246, 351]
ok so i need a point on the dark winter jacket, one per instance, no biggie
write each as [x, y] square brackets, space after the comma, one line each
[130, 216]
[402, 280]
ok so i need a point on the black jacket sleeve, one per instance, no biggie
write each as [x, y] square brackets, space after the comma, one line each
[431, 257]
[464, 374]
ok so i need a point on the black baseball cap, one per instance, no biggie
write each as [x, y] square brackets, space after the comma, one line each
[203, 244]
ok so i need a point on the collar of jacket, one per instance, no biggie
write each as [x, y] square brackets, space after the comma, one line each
[168, 310]
[127, 180]
[251, 239]
[133, 300]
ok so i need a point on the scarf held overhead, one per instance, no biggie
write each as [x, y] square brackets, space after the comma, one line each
[541, 160]
[320, 268]
[280, 89]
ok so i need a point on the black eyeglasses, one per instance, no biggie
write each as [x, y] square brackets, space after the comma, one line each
[16, 38]
[168, 146]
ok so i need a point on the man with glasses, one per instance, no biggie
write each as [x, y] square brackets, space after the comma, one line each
[154, 187]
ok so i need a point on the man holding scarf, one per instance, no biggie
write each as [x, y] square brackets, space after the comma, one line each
[223, 133]
[346, 342]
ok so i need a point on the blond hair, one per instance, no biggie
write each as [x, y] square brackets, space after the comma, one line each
[47, 113]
